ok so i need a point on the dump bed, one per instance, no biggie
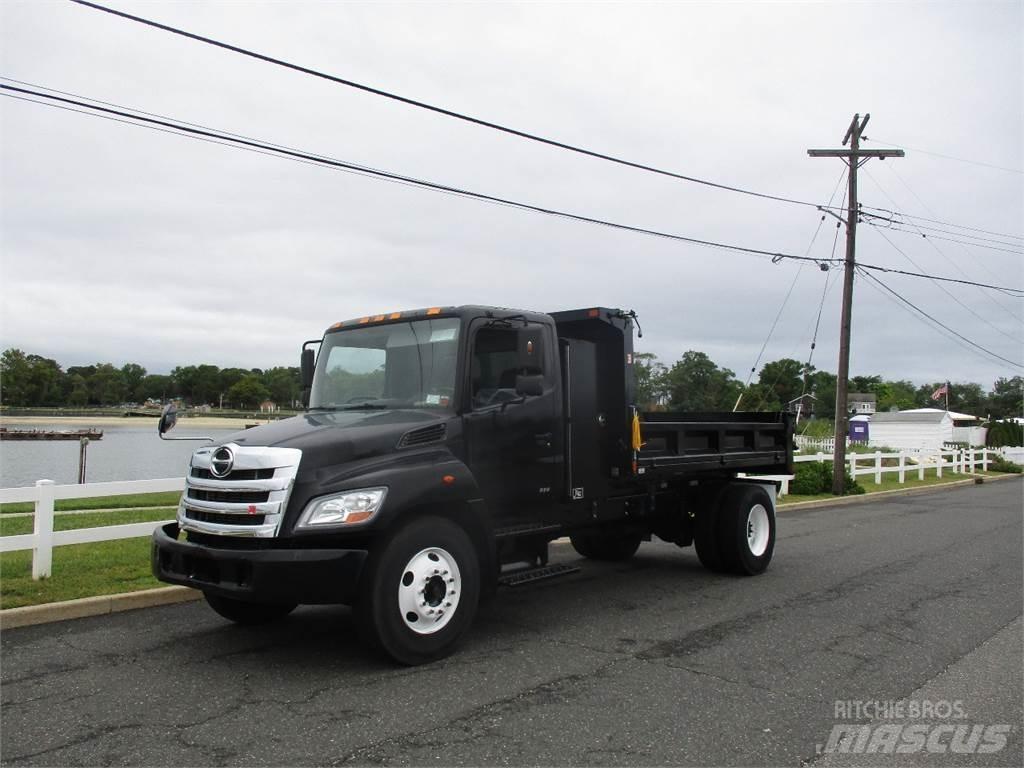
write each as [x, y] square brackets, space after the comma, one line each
[596, 351]
[754, 442]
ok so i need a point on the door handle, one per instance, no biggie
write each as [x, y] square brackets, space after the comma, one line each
[543, 439]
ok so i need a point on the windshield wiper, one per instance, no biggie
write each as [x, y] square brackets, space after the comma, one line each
[349, 407]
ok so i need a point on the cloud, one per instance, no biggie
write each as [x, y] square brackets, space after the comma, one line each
[125, 244]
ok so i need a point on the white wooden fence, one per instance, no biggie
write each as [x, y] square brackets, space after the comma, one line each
[957, 461]
[825, 444]
[43, 538]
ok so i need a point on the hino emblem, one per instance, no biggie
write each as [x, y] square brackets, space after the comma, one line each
[221, 462]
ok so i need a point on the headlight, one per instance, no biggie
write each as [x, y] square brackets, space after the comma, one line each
[340, 509]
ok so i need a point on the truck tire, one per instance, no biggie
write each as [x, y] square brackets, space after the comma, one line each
[246, 612]
[419, 591]
[745, 527]
[608, 547]
[705, 539]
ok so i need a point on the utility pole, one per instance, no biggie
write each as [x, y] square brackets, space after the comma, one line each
[854, 157]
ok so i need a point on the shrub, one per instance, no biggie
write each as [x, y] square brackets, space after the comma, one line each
[813, 478]
[999, 464]
[1002, 433]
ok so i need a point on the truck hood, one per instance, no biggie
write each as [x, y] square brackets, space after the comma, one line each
[329, 439]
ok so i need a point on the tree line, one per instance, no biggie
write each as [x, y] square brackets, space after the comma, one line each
[697, 383]
[694, 382]
[28, 380]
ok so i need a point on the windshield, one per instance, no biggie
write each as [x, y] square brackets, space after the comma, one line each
[398, 365]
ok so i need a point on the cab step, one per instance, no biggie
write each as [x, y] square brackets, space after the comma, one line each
[527, 575]
[526, 529]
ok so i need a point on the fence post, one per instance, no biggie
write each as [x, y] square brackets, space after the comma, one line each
[984, 459]
[903, 466]
[853, 466]
[42, 552]
[920, 466]
[878, 467]
[821, 457]
[938, 464]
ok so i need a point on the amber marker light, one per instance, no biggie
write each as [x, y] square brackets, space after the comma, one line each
[592, 313]
[395, 316]
[364, 320]
[378, 318]
[448, 479]
[434, 311]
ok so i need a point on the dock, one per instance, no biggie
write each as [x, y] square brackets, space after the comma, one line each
[50, 434]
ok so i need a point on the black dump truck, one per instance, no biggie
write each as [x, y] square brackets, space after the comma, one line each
[441, 451]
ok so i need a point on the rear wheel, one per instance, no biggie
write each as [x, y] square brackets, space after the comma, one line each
[738, 535]
[420, 591]
[612, 547]
[246, 612]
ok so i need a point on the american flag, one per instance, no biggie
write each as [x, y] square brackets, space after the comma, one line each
[938, 393]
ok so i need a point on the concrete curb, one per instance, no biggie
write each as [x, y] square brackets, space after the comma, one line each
[95, 606]
[842, 501]
[149, 598]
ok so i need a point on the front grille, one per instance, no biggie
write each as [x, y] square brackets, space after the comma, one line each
[249, 502]
[222, 519]
[230, 497]
[238, 474]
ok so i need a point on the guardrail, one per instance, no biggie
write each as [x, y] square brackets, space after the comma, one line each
[43, 538]
[961, 461]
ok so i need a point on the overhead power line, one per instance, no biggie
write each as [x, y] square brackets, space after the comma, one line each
[938, 322]
[166, 124]
[947, 157]
[438, 109]
[978, 263]
[925, 235]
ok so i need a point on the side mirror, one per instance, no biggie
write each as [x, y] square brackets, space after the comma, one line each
[530, 386]
[168, 418]
[530, 349]
[306, 364]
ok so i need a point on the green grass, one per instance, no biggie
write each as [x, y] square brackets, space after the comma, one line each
[12, 526]
[890, 482]
[127, 501]
[79, 570]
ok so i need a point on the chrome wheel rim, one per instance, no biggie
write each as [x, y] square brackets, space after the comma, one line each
[429, 589]
[758, 530]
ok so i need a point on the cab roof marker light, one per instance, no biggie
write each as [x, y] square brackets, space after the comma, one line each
[395, 316]
[593, 313]
[364, 320]
[378, 318]
[434, 311]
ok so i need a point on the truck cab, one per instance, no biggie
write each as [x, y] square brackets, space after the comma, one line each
[440, 452]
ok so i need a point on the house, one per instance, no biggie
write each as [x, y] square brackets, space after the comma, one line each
[860, 404]
[911, 431]
[925, 429]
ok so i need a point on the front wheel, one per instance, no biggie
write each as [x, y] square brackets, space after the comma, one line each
[246, 612]
[420, 590]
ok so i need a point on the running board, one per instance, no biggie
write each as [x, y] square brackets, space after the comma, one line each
[527, 575]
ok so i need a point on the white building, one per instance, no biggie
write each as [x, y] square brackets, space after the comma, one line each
[924, 429]
[860, 403]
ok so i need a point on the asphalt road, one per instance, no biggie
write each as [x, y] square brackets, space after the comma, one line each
[651, 662]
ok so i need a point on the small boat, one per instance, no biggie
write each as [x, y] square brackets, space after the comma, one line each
[50, 434]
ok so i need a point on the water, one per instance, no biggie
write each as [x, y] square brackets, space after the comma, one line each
[129, 452]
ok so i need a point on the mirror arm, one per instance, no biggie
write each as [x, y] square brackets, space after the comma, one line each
[197, 437]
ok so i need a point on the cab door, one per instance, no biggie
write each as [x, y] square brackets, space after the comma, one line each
[513, 441]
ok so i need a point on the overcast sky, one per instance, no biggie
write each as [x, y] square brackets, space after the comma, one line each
[121, 244]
